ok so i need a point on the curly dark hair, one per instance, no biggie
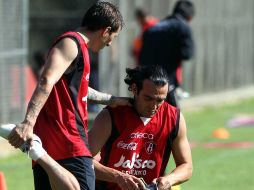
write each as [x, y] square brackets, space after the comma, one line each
[101, 15]
[155, 73]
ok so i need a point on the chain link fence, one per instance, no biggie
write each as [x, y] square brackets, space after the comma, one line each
[13, 56]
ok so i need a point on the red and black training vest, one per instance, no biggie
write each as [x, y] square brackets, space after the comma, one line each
[62, 123]
[138, 149]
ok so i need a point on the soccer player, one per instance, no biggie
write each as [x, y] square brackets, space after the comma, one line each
[57, 111]
[136, 142]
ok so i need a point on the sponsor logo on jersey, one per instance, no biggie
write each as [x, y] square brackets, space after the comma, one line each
[127, 146]
[135, 163]
[141, 136]
[149, 147]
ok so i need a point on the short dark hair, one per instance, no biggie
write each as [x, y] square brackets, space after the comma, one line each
[101, 15]
[141, 13]
[185, 8]
[155, 73]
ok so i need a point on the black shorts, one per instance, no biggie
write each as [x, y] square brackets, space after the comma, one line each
[80, 167]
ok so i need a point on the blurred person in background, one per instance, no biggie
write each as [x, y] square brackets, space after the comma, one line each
[57, 111]
[144, 21]
[136, 142]
[169, 43]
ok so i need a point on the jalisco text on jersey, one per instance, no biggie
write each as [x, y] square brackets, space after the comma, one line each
[135, 162]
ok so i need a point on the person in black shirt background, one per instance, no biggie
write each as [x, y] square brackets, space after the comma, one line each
[169, 43]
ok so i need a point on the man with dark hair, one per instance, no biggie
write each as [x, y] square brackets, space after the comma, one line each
[103, 15]
[57, 111]
[170, 42]
[136, 142]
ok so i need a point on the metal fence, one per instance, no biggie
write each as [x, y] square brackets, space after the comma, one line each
[13, 55]
[223, 33]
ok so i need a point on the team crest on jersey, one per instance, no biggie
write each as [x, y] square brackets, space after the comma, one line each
[149, 147]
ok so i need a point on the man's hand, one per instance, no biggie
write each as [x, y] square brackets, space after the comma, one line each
[162, 183]
[120, 101]
[20, 134]
[129, 182]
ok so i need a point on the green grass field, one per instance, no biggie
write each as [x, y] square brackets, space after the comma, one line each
[214, 169]
[17, 172]
[221, 168]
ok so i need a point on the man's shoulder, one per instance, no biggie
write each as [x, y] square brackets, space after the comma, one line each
[67, 37]
[68, 33]
[167, 108]
[74, 36]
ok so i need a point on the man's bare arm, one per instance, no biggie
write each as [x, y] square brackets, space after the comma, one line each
[100, 131]
[98, 135]
[99, 97]
[59, 59]
[106, 99]
[182, 156]
[183, 160]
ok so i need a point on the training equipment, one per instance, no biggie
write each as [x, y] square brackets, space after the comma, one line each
[221, 133]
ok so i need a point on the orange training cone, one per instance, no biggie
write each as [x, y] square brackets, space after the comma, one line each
[2, 182]
[221, 133]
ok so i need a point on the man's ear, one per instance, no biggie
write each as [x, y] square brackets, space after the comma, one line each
[134, 89]
[106, 31]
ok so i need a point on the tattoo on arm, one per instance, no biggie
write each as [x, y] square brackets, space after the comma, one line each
[99, 97]
[37, 101]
